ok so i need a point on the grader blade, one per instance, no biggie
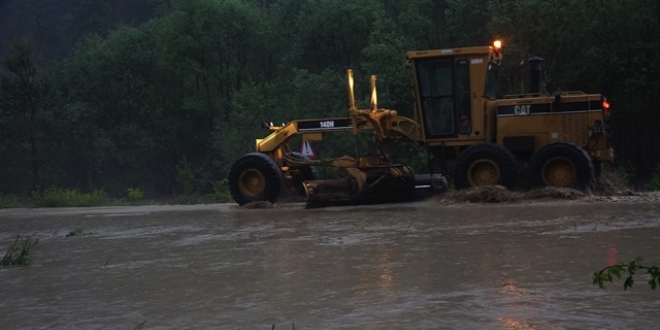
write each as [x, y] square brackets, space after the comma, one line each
[367, 185]
[320, 192]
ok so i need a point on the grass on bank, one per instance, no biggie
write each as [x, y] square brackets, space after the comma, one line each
[55, 197]
[70, 197]
[654, 183]
[11, 200]
[21, 251]
[615, 176]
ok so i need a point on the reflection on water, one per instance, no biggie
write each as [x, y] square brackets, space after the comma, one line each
[512, 324]
[611, 258]
[502, 267]
[510, 289]
[386, 273]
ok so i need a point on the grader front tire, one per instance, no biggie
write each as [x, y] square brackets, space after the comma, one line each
[255, 177]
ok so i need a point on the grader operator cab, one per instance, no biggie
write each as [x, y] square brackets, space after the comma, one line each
[556, 138]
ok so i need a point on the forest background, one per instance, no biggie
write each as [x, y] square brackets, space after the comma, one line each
[161, 96]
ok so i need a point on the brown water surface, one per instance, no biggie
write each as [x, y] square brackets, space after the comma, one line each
[399, 266]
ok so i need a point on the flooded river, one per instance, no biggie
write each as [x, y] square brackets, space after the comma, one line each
[398, 266]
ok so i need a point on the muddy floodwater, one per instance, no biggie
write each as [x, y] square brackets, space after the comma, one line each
[398, 266]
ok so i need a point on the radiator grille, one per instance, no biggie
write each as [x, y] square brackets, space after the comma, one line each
[575, 128]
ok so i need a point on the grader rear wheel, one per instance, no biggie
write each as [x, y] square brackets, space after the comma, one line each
[485, 164]
[254, 177]
[484, 172]
[558, 172]
[561, 164]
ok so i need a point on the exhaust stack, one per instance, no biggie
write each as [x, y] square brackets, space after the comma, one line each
[535, 74]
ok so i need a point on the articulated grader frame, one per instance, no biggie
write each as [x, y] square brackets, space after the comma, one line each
[274, 167]
[559, 140]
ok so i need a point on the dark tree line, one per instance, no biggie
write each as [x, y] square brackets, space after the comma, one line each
[117, 94]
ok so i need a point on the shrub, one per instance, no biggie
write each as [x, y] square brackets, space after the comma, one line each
[613, 180]
[54, 197]
[185, 177]
[134, 195]
[187, 199]
[654, 184]
[623, 172]
[9, 201]
[21, 251]
[221, 191]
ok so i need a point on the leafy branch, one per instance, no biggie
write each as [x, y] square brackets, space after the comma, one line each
[608, 274]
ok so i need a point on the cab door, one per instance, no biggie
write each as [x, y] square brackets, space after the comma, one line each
[444, 96]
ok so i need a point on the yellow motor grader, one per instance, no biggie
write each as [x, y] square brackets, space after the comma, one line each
[558, 139]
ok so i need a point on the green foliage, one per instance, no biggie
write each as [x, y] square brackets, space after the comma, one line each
[609, 273]
[22, 93]
[185, 177]
[54, 197]
[221, 191]
[332, 36]
[654, 184]
[198, 77]
[188, 199]
[21, 251]
[620, 176]
[134, 195]
[623, 172]
[10, 200]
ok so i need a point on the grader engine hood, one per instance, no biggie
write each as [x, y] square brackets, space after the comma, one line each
[526, 122]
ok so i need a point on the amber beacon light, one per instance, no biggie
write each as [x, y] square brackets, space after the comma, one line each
[497, 45]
